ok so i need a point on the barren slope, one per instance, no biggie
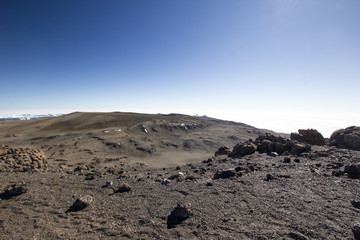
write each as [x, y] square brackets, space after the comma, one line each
[111, 138]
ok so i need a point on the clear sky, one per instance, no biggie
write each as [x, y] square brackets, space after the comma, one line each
[277, 64]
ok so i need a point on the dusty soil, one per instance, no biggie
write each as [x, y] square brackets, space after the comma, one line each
[266, 199]
[260, 197]
[108, 139]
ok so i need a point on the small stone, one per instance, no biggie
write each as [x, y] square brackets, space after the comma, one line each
[227, 173]
[13, 191]
[337, 173]
[356, 231]
[81, 203]
[297, 236]
[108, 183]
[123, 187]
[287, 160]
[269, 177]
[209, 183]
[90, 177]
[273, 154]
[165, 181]
[355, 204]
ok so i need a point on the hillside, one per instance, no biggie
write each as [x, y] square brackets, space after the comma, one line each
[108, 139]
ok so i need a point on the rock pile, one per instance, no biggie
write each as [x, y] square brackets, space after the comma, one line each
[270, 143]
[21, 159]
[273, 145]
[346, 138]
[310, 136]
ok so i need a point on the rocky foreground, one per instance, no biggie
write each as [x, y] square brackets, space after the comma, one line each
[267, 188]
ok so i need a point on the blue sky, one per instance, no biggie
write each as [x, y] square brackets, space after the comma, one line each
[268, 63]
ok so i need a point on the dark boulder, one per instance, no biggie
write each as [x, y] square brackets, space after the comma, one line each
[346, 138]
[310, 136]
[271, 143]
[356, 231]
[227, 173]
[123, 187]
[80, 203]
[243, 149]
[223, 151]
[179, 214]
[353, 171]
[13, 191]
[299, 148]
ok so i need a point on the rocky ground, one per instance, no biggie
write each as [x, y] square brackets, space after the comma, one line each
[264, 187]
[261, 195]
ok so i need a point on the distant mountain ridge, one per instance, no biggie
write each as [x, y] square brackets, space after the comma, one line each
[28, 116]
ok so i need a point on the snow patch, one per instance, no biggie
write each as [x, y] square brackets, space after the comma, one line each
[27, 116]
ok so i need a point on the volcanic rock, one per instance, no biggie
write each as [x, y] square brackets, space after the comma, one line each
[180, 176]
[223, 151]
[269, 177]
[13, 191]
[353, 171]
[355, 204]
[180, 213]
[356, 231]
[346, 138]
[165, 181]
[123, 187]
[242, 149]
[80, 203]
[227, 173]
[270, 143]
[310, 136]
[298, 148]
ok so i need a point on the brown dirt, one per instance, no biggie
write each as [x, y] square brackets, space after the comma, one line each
[268, 198]
[95, 138]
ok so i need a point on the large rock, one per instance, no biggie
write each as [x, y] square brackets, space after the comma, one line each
[182, 211]
[310, 136]
[346, 138]
[242, 149]
[270, 143]
[299, 148]
[179, 214]
[223, 151]
[352, 170]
